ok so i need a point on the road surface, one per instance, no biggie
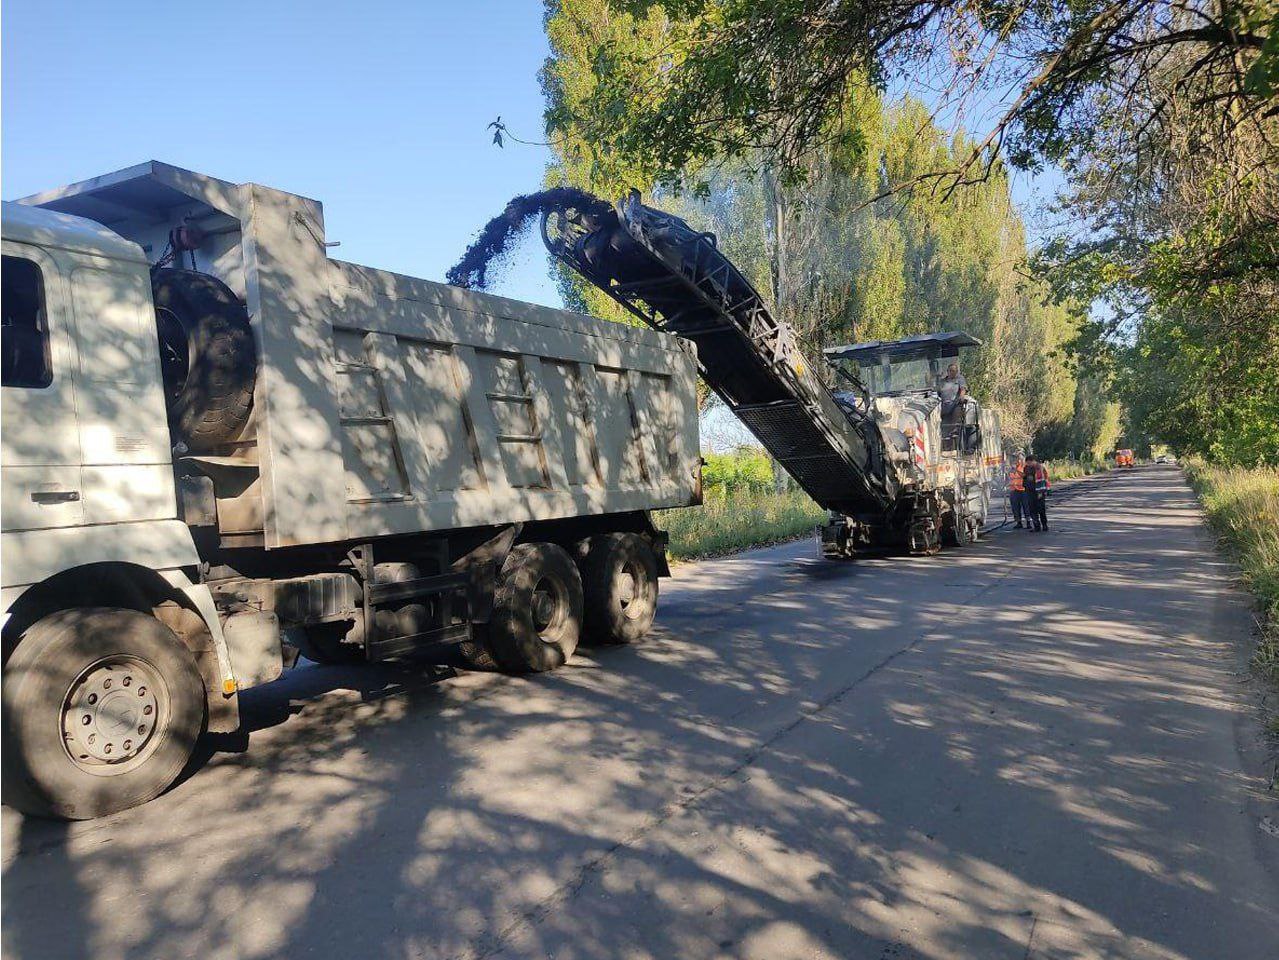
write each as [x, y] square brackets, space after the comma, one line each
[1043, 746]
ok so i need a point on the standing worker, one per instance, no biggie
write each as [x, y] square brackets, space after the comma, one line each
[1035, 482]
[1017, 490]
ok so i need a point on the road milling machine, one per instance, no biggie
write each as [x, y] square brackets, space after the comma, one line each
[899, 456]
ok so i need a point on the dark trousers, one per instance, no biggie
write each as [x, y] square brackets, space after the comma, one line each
[1018, 501]
[1036, 510]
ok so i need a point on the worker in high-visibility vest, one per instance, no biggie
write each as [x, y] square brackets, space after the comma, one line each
[1017, 490]
[1035, 481]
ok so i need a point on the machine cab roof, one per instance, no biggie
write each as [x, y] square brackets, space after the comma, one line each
[911, 364]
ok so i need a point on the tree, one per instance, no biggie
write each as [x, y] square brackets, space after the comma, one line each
[1161, 113]
[835, 257]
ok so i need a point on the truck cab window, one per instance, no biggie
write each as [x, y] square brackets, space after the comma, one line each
[24, 328]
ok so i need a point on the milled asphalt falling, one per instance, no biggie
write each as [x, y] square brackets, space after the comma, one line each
[1041, 746]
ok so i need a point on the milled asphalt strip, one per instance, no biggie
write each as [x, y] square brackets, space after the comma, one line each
[598, 865]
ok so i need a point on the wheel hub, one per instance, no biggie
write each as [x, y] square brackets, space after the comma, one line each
[110, 712]
[546, 605]
[626, 587]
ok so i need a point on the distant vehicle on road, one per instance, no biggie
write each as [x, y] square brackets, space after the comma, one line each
[1123, 458]
[1165, 458]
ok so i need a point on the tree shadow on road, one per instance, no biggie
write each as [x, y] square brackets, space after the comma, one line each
[902, 764]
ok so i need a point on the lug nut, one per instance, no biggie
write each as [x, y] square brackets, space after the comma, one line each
[106, 684]
[93, 698]
[127, 681]
[142, 691]
[107, 748]
[92, 737]
[86, 719]
[141, 729]
[128, 744]
[146, 711]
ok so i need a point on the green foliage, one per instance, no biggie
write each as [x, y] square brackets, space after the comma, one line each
[1193, 364]
[1161, 116]
[745, 469]
[735, 520]
[1243, 508]
[1201, 389]
[1074, 469]
[836, 258]
[674, 85]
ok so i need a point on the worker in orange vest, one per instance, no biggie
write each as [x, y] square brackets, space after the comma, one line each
[1017, 490]
[1035, 482]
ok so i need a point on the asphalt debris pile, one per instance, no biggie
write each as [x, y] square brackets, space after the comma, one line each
[502, 232]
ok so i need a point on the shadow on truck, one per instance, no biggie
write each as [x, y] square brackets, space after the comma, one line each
[224, 450]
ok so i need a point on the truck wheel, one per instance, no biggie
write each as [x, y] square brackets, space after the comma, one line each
[207, 357]
[619, 583]
[102, 708]
[537, 609]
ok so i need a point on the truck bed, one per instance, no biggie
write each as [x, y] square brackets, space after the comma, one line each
[457, 409]
[386, 404]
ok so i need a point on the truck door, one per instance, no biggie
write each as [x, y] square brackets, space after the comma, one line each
[41, 440]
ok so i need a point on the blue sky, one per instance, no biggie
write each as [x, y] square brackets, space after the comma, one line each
[377, 109]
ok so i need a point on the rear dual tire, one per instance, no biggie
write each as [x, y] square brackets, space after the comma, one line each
[619, 577]
[537, 609]
[545, 604]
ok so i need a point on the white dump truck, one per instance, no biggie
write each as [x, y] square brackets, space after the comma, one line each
[223, 450]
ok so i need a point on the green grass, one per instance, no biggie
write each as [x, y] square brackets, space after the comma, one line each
[1072, 469]
[734, 520]
[1243, 507]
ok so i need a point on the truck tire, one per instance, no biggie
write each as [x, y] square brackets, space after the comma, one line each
[619, 585]
[537, 609]
[102, 709]
[207, 357]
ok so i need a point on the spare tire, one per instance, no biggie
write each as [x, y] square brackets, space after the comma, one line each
[207, 357]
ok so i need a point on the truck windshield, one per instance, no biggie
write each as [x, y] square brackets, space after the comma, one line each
[898, 376]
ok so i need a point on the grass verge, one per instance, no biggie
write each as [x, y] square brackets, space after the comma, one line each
[734, 520]
[1243, 508]
[1073, 469]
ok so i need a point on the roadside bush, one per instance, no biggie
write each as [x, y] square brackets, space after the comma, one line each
[743, 469]
[1072, 469]
[732, 520]
[1243, 508]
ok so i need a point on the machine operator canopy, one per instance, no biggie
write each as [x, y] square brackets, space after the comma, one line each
[899, 366]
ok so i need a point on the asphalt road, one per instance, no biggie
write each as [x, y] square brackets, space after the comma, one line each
[1042, 746]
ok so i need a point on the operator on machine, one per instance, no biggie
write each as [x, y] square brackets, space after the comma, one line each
[952, 388]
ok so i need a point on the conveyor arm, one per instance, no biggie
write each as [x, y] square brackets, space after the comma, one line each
[676, 279]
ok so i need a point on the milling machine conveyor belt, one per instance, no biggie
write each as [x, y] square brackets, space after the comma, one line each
[676, 279]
